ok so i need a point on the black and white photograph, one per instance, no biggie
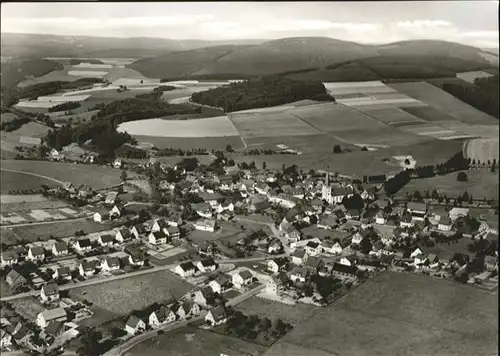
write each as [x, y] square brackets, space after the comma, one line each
[307, 178]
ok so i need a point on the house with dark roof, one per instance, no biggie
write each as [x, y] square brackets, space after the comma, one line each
[339, 269]
[242, 279]
[15, 279]
[134, 325]
[161, 316]
[221, 283]
[49, 292]
[124, 235]
[277, 284]
[62, 273]
[136, 257]
[9, 258]
[106, 240]
[216, 316]
[60, 249]
[86, 268]
[138, 231]
[204, 296]
[53, 330]
[83, 245]
[207, 265]
[186, 269]
[36, 253]
[101, 215]
[110, 264]
[314, 264]
[299, 257]
[299, 274]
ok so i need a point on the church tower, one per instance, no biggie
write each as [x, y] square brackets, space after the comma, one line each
[326, 191]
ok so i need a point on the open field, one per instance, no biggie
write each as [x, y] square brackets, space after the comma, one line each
[481, 149]
[361, 163]
[190, 341]
[444, 102]
[57, 75]
[187, 143]
[428, 113]
[400, 314]
[8, 237]
[293, 314]
[318, 143]
[389, 136]
[134, 293]
[97, 177]
[336, 118]
[29, 205]
[209, 127]
[271, 125]
[63, 228]
[392, 116]
[12, 181]
[480, 185]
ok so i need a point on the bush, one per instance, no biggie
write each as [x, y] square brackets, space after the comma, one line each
[462, 177]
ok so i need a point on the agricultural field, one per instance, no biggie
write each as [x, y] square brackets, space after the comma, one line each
[190, 341]
[63, 228]
[209, 127]
[187, 143]
[56, 75]
[428, 113]
[480, 184]
[252, 125]
[400, 314]
[470, 77]
[386, 136]
[13, 181]
[97, 177]
[444, 102]
[293, 314]
[8, 237]
[394, 116]
[134, 293]
[481, 149]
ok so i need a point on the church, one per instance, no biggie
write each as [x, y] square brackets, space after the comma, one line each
[335, 193]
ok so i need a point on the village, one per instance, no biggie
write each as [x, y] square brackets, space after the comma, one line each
[284, 235]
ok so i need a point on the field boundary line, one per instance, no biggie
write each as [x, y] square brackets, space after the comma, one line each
[32, 174]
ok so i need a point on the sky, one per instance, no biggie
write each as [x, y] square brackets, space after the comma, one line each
[469, 22]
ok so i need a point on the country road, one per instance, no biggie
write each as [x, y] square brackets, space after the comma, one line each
[120, 350]
[123, 276]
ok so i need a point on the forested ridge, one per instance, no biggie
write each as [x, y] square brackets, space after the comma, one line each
[261, 92]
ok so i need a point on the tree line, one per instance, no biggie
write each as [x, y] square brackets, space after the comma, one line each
[70, 105]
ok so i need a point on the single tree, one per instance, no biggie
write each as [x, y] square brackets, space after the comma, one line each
[462, 177]
[337, 149]
[264, 166]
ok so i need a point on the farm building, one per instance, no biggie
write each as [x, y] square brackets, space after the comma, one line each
[44, 318]
[205, 225]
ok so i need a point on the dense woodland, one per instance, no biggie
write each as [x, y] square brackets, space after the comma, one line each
[261, 92]
[65, 106]
[102, 128]
[483, 95]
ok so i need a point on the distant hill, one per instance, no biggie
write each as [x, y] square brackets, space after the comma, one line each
[40, 45]
[321, 58]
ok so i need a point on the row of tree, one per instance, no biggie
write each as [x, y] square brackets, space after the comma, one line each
[70, 105]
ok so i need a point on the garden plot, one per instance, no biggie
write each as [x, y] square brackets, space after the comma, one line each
[208, 127]
[271, 125]
[444, 102]
[42, 215]
[69, 211]
[11, 218]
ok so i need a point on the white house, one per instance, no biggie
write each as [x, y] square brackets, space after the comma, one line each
[110, 264]
[36, 253]
[137, 230]
[299, 274]
[207, 265]
[123, 235]
[9, 258]
[416, 252]
[336, 249]
[161, 316]
[101, 215]
[157, 238]
[5, 339]
[204, 296]
[357, 238]
[276, 284]
[347, 261]
[186, 269]
[115, 212]
[173, 232]
[445, 224]
[299, 257]
[86, 268]
[406, 221]
[134, 325]
[242, 279]
[49, 292]
[380, 218]
[455, 213]
[60, 249]
[117, 163]
[106, 240]
[314, 248]
[159, 225]
[216, 316]
[205, 225]
[274, 266]
[63, 273]
[83, 245]
[44, 318]
[220, 284]
[419, 208]
[136, 258]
